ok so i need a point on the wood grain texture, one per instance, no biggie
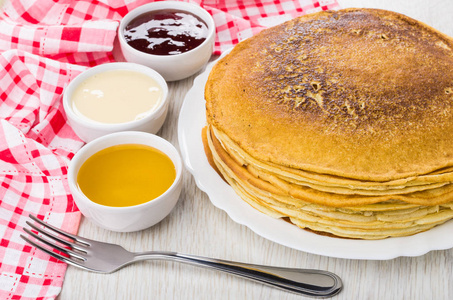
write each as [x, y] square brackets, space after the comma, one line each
[195, 226]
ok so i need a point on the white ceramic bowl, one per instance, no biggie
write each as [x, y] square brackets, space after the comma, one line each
[171, 67]
[129, 218]
[88, 130]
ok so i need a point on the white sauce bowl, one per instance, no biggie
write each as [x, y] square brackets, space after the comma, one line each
[88, 130]
[128, 218]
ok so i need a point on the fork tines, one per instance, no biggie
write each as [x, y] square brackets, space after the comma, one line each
[60, 248]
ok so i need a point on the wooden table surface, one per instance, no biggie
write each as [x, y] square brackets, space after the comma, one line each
[195, 226]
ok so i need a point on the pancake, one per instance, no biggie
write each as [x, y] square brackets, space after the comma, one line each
[309, 178]
[357, 93]
[267, 182]
[385, 218]
[339, 121]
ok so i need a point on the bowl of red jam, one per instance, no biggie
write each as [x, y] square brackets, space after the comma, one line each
[174, 38]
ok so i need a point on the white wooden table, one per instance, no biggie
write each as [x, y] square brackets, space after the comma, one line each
[195, 226]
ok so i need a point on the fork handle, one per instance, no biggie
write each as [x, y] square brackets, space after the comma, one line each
[308, 282]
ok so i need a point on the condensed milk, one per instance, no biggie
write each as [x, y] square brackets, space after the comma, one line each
[116, 96]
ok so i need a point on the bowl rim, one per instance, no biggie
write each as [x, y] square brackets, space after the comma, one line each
[78, 161]
[160, 5]
[128, 66]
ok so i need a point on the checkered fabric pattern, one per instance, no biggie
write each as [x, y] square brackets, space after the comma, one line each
[44, 44]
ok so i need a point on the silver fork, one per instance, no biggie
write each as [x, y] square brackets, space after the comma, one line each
[107, 258]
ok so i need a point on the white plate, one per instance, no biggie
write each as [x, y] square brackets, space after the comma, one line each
[191, 121]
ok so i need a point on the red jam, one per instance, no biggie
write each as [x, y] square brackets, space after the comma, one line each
[166, 32]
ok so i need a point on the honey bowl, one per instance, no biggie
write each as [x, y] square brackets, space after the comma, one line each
[174, 38]
[116, 97]
[126, 181]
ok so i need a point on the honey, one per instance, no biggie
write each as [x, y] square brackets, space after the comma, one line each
[126, 175]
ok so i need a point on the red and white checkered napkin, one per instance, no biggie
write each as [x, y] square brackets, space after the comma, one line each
[43, 45]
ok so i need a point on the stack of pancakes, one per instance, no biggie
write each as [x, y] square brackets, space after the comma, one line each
[341, 122]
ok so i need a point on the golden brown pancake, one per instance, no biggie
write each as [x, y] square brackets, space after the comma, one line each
[341, 121]
[365, 221]
[358, 93]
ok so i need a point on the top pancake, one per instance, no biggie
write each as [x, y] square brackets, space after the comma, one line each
[358, 93]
